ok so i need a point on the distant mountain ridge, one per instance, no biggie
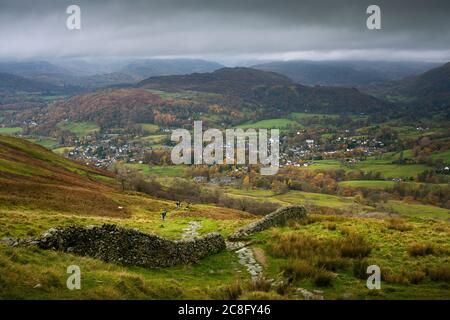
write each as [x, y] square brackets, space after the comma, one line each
[91, 75]
[224, 80]
[428, 91]
[433, 85]
[13, 83]
[344, 73]
[271, 90]
[319, 74]
[31, 68]
[162, 67]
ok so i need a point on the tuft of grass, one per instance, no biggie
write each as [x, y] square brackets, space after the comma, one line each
[354, 246]
[329, 225]
[441, 273]
[232, 291]
[415, 277]
[283, 288]
[301, 269]
[398, 225]
[301, 246]
[421, 249]
[258, 295]
[332, 263]
[390, 276]
[259, 284]
[360, 268]
[323, 278]
[298, 269]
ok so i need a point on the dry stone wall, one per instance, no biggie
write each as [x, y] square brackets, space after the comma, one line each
[115, 244]
[277, 218]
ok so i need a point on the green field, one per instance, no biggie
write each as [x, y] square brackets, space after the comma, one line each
[9, 131]
[149, 127]
[153, 140]
[302, 198]
[305, 115]
[396, 155]
[392, 170]
[277, 123]
[444, 156]
[320, 200]
[163, 171]
[49, 143]
[52, 98]
[63, 150]
[369, 184]
[384, 184]
[182, 94]
[385, 167]
[418, 210]
[81, 129]
[293, 119]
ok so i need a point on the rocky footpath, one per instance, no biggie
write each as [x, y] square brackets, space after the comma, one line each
[191, 231]
[277, 218]
[111, 243]
[247, 259]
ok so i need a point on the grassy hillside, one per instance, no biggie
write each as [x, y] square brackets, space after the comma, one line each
[34, 177]
[322, 254]
[40, 190]
[330, 253]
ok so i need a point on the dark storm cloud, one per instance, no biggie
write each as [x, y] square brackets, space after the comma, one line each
[227, 30]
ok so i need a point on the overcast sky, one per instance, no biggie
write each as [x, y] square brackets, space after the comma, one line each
[227, 30]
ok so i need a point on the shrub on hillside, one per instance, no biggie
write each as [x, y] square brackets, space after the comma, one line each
[354, 246]
[398, 225]
[231, 291]
[298, 269]
[323, 278]
[303, 246]
[440, 273]
[259, 284]
[360, 268]
[416, 276]
[331, 263]
[421, 249]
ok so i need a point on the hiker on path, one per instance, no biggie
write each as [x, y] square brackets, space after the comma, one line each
[163, 215]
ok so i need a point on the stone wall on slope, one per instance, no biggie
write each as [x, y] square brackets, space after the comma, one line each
[115, 244]
[277, 218]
